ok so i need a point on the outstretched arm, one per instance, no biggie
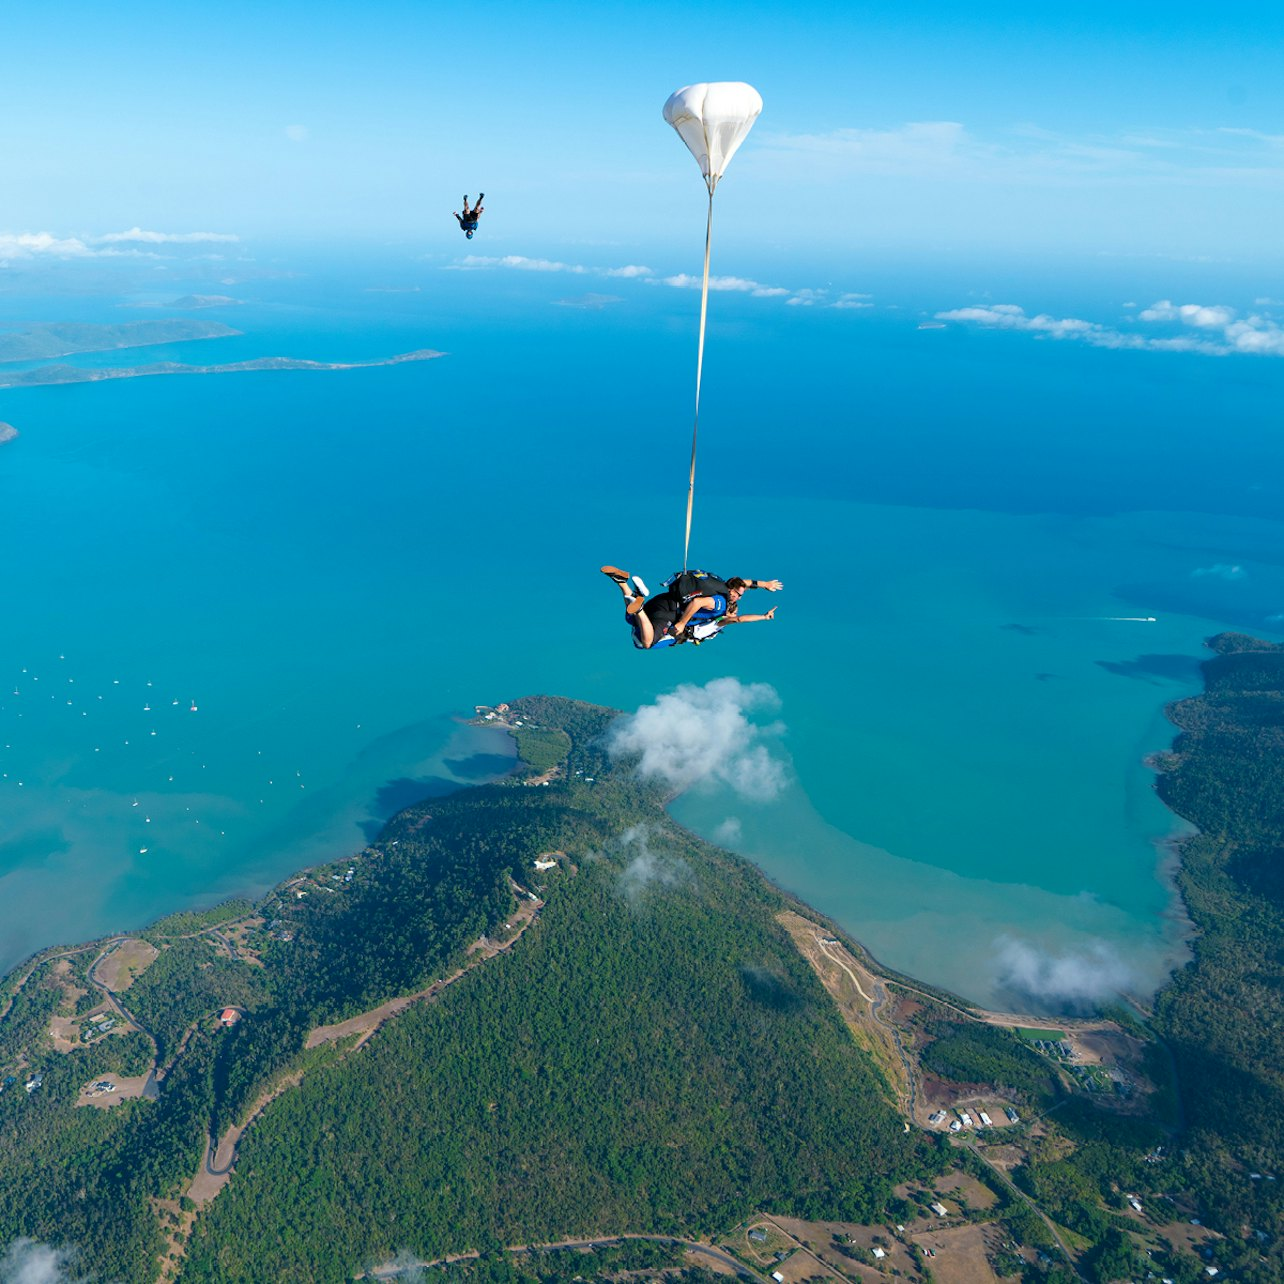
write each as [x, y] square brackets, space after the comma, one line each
[458, 220]
[772, 586]
[750, 619]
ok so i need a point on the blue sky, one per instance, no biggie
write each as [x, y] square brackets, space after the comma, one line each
[948, 132]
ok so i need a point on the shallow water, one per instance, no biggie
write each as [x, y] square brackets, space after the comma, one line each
[329, 564]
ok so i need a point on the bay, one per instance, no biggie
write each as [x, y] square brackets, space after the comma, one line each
[973, 532]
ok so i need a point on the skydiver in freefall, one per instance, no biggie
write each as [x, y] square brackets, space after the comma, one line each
[685, 612]
[468, 220]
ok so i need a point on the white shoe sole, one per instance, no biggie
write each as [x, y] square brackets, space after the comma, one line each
[641, 587]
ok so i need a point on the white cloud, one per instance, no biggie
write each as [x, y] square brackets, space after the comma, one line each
[23, 245]
[647, 868]
[1222, 571]
[742, 285]
[1088, 976]
[1205, 318]
[520, 263]
[678, 281]
[1220, 334]
[930, 146]
[697, 734]
[1007, 316]
[729, 833]
[136, 235]
[297, 133]
[735, 284]
[1027, 155]
[29, 1262]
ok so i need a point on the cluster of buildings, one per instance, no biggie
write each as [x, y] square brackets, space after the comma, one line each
[965, 1120]
[1055, 1048]
[103, 1023]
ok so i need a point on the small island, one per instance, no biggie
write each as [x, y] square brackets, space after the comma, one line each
[7, 433]
[538, 1031]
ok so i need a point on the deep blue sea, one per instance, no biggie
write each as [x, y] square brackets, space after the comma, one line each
[240, 610]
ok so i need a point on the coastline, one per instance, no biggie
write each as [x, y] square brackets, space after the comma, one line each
[944, 1061]
[53, 376]
[1179, 926]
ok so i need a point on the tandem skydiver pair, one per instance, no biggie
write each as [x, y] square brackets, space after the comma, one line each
[694, 607]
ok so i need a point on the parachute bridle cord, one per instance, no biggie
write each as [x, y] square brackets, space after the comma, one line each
[695, 430]
[712, 119]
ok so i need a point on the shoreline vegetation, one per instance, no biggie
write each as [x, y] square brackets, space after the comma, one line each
[46, 376]
[67, 338]
[536, 1019]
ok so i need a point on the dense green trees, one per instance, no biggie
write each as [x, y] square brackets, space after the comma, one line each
[621, 1070]
[988, 1054]
[1222, 1015]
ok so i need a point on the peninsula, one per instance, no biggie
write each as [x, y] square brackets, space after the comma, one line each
[45, 376]
[7, 433]
[538, 1031]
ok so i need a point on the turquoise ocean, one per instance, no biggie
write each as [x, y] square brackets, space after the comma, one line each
[242, 612]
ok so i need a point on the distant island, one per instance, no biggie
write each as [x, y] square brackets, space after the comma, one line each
[205, 301]
[7, 433]
[50, 375]
[189, 301]
[66, 338]
[536, 1031]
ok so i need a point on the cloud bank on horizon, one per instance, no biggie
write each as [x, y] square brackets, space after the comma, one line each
[678, 281]
[45, 245]
[695, 735]
[1210, 330]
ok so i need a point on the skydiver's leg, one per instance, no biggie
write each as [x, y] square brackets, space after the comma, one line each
[641, 624]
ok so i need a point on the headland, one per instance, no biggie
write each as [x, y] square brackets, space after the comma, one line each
[537, 1018]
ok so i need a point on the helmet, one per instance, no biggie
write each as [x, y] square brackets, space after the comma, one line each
[469, 235]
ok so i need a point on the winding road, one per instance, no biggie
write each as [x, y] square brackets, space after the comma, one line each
[606, 1241]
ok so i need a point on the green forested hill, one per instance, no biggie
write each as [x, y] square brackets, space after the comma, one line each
[1223, 1016]
[650, 1054]
[661, 1061]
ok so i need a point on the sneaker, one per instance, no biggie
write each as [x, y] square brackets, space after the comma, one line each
[641, 587]
[619, 576]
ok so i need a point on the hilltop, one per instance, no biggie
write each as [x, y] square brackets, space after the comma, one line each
[66, 338]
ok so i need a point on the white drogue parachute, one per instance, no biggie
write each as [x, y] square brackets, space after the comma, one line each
[713, 120]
